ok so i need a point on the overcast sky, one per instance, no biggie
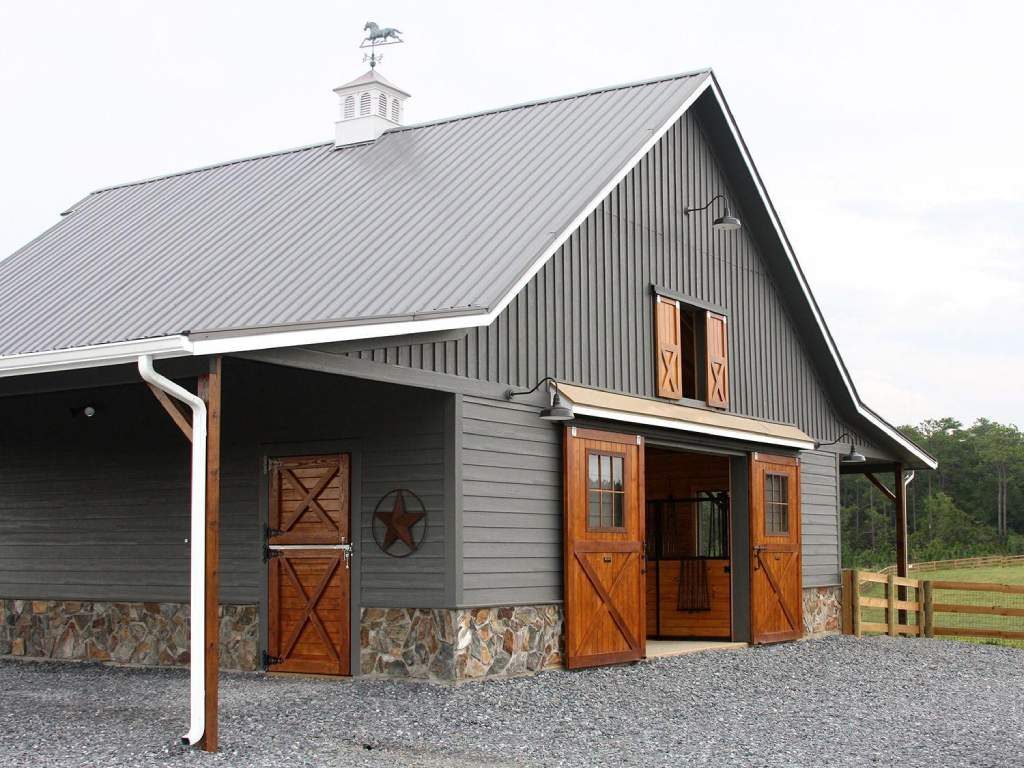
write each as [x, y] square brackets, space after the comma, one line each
[888, 134]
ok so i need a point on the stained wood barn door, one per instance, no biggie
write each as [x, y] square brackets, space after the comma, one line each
[776, 595]
[309, 553]
[604, 559]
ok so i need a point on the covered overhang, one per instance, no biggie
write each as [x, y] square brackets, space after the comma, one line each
[638, 410]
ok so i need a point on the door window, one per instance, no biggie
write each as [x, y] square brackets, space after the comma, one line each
[605, 491]
[776, 504]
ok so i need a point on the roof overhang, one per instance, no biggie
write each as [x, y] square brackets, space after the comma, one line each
[639, 410]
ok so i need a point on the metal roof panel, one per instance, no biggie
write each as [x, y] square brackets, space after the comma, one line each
[431, 218]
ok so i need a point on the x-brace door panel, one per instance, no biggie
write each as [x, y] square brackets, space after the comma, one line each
[309, 610]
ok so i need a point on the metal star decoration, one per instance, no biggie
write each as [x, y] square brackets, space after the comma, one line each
[399, 523]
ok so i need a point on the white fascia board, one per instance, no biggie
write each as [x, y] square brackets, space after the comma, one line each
[250, 342]
[93, 356]
[862, 409]
[689, 426]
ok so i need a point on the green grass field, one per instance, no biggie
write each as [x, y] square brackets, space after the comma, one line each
[997, 575]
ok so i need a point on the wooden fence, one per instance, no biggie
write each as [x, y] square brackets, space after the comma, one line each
[988, 561]
[931, 611]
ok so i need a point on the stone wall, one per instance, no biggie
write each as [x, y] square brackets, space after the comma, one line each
[823, 607]
[460, 644]
[126, 633]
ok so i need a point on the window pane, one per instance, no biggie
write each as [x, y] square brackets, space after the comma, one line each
[776, 504]
[617, 520]
[606, 472]
[593, 510]
[592, 477]
[617, 462]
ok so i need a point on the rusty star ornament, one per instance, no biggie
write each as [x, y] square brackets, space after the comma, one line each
[400, 522]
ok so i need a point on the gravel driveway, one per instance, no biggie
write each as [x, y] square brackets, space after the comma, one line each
[835, 701]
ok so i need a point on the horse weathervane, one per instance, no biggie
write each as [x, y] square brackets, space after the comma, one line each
[378, 36]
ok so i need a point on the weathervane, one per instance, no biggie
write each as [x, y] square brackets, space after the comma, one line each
[378, 36]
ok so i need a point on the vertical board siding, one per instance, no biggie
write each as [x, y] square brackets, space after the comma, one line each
[819, 503]
[99, 508]
[586, 317]
[512, 505]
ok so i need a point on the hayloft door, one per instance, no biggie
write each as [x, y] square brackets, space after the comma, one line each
[308, 553]
[604, 558]
[776, 597]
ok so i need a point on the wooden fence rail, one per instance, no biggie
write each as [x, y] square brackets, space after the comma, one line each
[917, 617]
[986, 561]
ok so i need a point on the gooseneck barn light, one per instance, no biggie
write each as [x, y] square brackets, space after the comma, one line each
[724, 223]
[557, 410]
[853, 457]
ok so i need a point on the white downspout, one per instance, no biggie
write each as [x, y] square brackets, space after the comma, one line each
[197, 578]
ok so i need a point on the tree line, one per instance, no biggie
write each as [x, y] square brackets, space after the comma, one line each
[972, 505]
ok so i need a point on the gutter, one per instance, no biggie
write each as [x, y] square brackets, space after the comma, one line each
[197, 542]
[94, 355]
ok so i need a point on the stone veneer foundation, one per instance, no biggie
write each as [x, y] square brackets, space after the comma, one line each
[154, 634]
[823, 607]
[460, 644]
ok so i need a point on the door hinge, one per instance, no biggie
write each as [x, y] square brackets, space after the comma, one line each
[269, 554]
[269, 533]
[269, 660]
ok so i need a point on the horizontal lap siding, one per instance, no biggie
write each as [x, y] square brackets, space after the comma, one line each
[819, 506]
[512, 505]
[98, 509]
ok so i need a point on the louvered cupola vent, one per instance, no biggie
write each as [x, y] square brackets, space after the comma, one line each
[369, 105]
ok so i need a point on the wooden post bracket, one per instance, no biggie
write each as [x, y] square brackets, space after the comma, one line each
[174, 410]
[880, 486]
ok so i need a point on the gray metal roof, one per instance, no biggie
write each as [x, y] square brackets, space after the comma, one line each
[440, 217]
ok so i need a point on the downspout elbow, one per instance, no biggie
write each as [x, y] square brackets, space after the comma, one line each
[197, 553]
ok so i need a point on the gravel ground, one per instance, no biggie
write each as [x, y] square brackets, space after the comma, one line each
[835, 701]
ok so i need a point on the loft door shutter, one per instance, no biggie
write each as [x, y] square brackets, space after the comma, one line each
[667, 348]
[717, 360]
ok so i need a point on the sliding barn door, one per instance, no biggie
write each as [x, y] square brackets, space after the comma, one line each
[604, 559]
[776, 594]
[308, 555]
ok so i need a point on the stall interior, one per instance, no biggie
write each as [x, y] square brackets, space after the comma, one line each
[689, 580]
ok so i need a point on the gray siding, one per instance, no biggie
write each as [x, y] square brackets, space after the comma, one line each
[586, 316]
[98, 508]
[512, 505]
[819, 503]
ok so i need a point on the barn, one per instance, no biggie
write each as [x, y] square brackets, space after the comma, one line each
[529, 388]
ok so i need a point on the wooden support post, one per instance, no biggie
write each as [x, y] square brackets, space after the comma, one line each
[927, 609]
[902, 557]
[210, 391]
[891, 617]
[855, 601]
[847, 625]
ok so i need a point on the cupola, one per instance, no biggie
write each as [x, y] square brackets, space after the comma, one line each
[368, 106]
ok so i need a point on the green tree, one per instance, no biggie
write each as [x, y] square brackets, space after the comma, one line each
[1001, 449]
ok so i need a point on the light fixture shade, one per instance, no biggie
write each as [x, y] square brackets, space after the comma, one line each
[557, 411]
[853, 457]
[726, 223]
